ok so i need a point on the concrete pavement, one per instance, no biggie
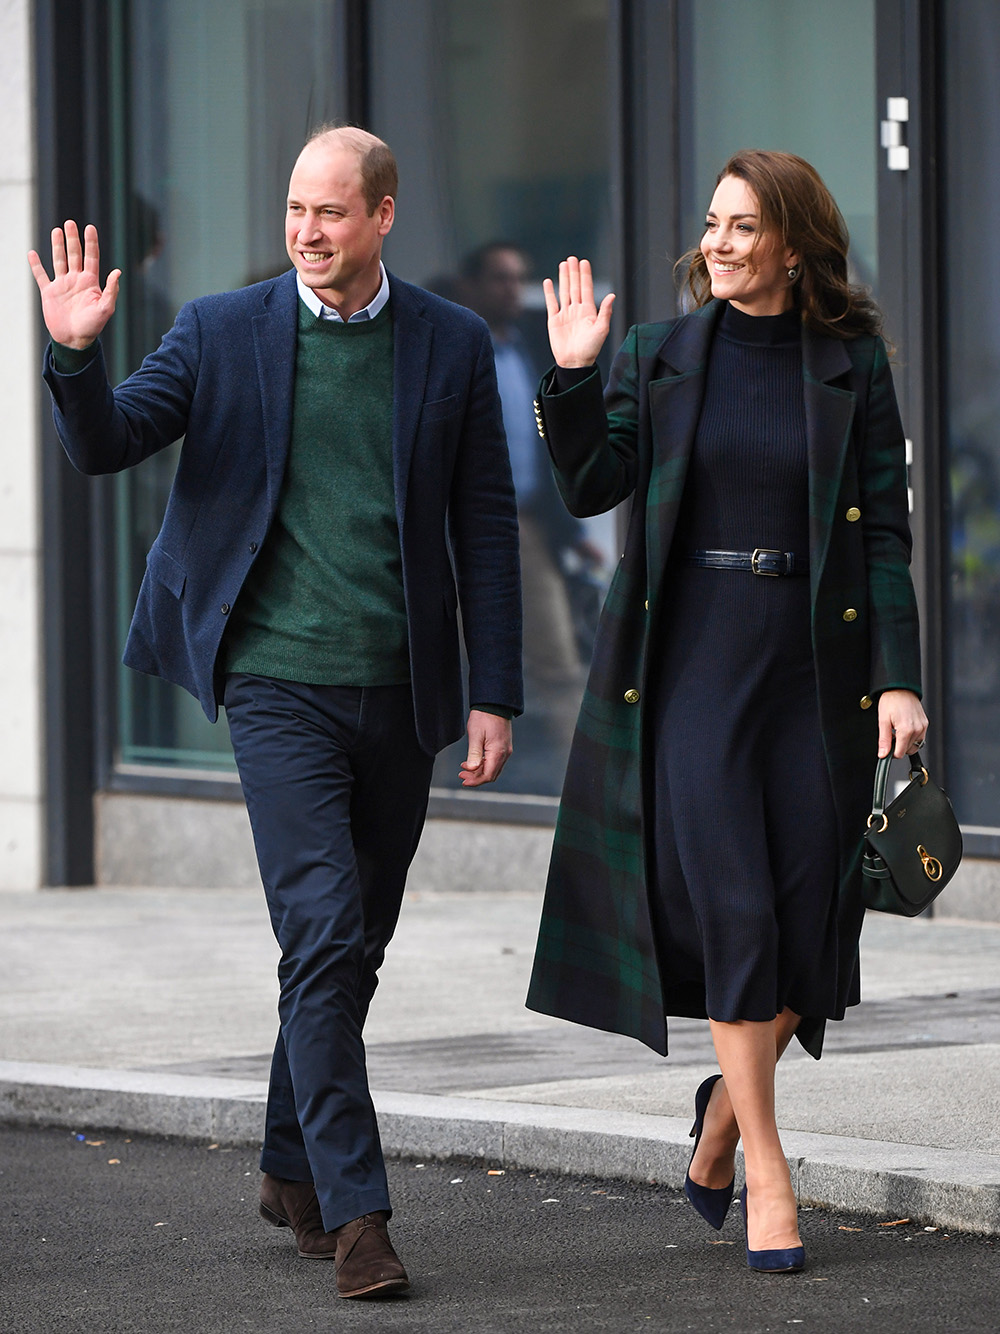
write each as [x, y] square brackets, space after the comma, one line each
[153, 1010]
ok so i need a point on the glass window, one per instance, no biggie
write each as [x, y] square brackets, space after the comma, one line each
[212, 100]
[799, 78]
[971, 300]
[499, 114]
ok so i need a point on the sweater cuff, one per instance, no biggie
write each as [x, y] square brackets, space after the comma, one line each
[568, 377]
[498, 710]
[69, 360]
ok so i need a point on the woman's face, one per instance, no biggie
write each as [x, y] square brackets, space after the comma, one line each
[757, 286]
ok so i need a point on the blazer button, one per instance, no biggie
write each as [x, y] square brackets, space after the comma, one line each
[853, 514]
[850, 614]
[866, 701]
[647, 604]
[631, 697]
[225, 609]
[253, 548]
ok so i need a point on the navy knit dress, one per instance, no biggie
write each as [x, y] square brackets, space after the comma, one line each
[744, 837]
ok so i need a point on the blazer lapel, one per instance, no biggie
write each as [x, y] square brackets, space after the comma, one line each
[274, 333]
[412, 335]
[676, 389]
[829, 417]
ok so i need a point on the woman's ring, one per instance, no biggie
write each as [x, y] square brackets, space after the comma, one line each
[919, 743]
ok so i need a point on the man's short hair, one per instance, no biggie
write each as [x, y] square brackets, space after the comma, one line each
[379, 173]
[474, 264]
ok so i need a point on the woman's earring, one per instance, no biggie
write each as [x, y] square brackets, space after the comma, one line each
[792, 275]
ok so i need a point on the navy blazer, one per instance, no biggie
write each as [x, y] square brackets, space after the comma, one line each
[223, 379]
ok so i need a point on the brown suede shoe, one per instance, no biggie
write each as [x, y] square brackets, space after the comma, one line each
[294, 1204]
[367, 1266]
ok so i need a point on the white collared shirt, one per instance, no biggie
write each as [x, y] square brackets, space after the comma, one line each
[324, 312]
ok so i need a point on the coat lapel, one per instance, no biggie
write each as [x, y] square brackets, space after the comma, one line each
[829, 416]
[274, 333]
[676, 389]
[412, 335]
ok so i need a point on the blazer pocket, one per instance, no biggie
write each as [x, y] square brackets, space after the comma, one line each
[166, 571]
[439, 408]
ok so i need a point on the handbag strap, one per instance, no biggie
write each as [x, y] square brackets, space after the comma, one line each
[882, 768]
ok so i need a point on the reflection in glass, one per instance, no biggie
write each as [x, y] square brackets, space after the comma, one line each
[498, 113]
[971, 44]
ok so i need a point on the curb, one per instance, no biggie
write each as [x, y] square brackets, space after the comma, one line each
[947, 1188]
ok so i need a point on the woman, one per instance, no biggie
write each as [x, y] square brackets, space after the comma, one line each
[707, 855]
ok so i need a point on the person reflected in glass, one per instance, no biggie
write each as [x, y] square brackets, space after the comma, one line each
[493, 278]
[758, 646]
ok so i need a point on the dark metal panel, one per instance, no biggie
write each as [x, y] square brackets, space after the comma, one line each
[651, 158]
[908, 292]
[357, 61]
[71, 82]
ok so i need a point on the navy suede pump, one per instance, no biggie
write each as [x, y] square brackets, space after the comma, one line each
[788, 1261]
[713, 1205]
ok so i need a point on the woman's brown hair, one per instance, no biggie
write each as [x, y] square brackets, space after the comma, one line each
[797, 208]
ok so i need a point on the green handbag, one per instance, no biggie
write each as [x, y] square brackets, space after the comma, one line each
[912, 846]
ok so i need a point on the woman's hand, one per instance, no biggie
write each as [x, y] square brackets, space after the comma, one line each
[901, 712]
[577, 329]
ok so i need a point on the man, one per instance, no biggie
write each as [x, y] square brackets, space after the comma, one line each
[493, 279]
[343, 469]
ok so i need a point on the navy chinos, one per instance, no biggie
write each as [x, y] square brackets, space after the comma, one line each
[336, 787]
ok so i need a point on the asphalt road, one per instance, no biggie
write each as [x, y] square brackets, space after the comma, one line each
[112, 1235]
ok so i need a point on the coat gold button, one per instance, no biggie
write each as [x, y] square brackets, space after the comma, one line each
[850, 614]
[853, 514]
[866, 701]
[631, 697]
[647, 604]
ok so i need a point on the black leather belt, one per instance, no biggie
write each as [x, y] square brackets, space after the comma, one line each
[759, 561]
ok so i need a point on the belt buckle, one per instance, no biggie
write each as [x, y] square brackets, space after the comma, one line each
[755, 562]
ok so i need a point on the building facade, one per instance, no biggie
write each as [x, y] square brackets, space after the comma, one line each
[593, 127]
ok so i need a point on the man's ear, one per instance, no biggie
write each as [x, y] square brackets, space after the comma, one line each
[386, 212]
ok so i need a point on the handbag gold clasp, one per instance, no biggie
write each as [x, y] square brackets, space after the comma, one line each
[885, 822]
[932, 867]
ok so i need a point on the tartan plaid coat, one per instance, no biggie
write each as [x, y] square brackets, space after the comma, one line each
[595, 962]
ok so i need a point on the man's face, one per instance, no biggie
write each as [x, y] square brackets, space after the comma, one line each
[333, 241]
[498, 292]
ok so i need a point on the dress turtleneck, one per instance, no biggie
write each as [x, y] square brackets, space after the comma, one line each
[747, 483]
[784, 330]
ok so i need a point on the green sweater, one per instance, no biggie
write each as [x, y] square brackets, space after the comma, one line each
[323, 603]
